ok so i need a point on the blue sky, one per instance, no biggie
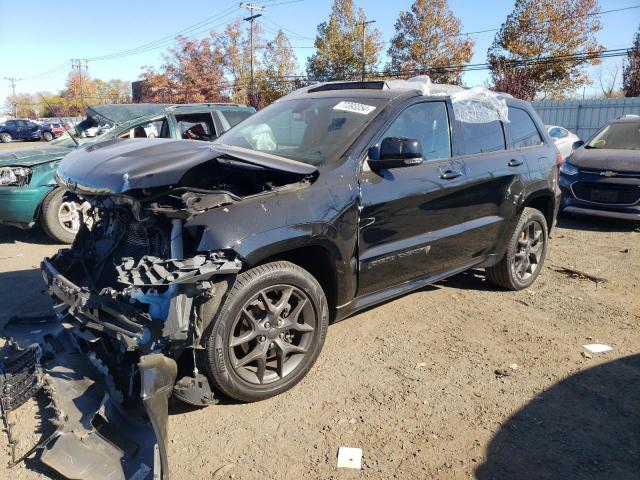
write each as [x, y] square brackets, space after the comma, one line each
[48, 37]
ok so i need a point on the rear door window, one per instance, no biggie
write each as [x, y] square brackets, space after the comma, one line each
[482, 137]
[558, 132]
[196, 126]
[521, 130]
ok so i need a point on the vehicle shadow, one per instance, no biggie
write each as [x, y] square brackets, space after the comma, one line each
[584, 427]
[474, 279]
[11, 235]
[21, 295]
[595, 224]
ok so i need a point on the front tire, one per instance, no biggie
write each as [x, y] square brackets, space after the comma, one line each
[269, 332]
[525, 254]
[60, 215]
[47, 137]
[5, 137]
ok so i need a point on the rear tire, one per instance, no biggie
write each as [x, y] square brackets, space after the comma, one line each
[256, 346]
[5, 137]
[59, 216]
[525, 253]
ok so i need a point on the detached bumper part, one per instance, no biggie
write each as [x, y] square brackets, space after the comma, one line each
[96, 438]
[158, 375]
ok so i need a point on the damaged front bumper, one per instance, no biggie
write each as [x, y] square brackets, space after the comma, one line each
[96, 437]
[106, 429]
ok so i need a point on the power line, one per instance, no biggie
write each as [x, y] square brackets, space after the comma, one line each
[170, 39]
[489, 30]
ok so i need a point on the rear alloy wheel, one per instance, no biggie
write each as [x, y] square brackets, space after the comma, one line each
[47, 137]
[5, 137]
[525, 254]
[60, 216]
[268, 333]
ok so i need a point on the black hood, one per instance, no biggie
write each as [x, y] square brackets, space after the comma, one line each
[606, 159]
[117, 166]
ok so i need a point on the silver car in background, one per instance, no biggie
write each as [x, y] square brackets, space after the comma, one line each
[563, 139]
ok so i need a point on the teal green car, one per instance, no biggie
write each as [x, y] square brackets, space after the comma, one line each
[29, 195]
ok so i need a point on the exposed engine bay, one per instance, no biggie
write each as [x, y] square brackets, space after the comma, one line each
[135, 295]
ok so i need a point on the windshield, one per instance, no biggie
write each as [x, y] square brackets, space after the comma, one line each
[617, 136]
[311, 130]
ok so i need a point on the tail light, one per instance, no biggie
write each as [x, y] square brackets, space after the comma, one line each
[558, 159]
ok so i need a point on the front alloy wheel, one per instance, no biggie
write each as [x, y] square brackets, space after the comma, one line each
[272, 334]
[268, 333]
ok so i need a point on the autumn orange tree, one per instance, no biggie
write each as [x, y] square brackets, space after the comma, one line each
[428, 40]
[631, 73]
[192, 73]
[532, 42]
[339, 43]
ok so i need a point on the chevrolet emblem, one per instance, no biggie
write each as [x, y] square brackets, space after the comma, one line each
[608, 173]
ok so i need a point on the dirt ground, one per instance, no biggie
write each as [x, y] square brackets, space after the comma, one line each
[413, 382]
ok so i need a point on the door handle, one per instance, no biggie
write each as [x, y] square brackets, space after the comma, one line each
[514, 162]
[450, 174]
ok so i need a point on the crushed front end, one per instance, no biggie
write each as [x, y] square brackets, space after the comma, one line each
[131, 309]
[136, 293]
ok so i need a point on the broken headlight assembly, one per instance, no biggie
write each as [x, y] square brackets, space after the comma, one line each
[14, 176]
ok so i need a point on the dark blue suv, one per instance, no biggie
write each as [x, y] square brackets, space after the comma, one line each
[25, 130]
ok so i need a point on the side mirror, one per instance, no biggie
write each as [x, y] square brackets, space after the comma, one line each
[577, 145]
[396, 152]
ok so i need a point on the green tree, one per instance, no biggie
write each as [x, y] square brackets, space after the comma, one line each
[236, 54]
[279, 65]
[537, 29]
[631, 73]
[339, 44]
[428, 40]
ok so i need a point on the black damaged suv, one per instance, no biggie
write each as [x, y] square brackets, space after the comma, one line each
[337, 197]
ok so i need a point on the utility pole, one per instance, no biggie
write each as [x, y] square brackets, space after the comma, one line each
[364, 45]
[251, 7]
[13, 81]
[79, 63]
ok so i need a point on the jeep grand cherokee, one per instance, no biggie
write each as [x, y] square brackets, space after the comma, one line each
[233, 257]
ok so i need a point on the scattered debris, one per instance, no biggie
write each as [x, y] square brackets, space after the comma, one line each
[502, 372]
[12, 256]
[586, 355]
[597, 347]
[514, 366]
[573, 273]
[222, 471]
[421, 364]
[349, 457]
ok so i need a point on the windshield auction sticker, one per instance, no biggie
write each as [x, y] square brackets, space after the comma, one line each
[354, 107]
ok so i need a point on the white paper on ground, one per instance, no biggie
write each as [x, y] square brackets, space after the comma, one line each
[597, 347]
[350, 458]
